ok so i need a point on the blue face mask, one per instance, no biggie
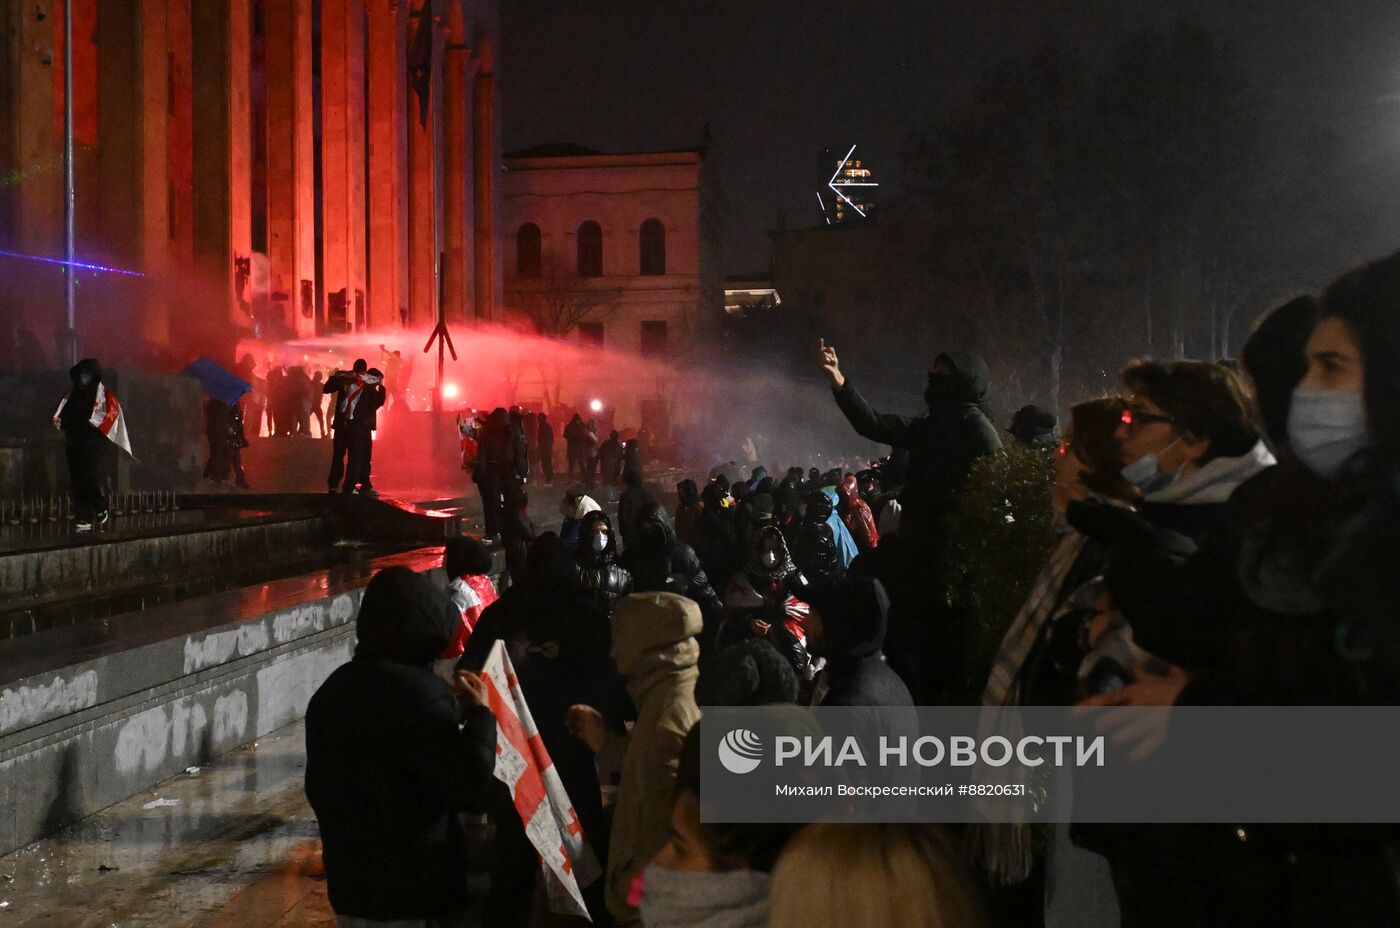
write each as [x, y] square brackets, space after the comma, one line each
[1146, 474]
[1326, 428]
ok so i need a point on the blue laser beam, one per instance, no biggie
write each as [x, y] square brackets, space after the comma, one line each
[81, 265]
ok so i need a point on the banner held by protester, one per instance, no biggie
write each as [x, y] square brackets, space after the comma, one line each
[523, 764]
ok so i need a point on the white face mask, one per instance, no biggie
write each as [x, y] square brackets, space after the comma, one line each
[1326, 428]
[599, 542]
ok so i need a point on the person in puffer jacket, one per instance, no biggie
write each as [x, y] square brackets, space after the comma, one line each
[599, 571]
[815, 547]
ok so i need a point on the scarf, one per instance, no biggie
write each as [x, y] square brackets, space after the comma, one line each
[726, 899]
[1040, 605]
[1003, 849]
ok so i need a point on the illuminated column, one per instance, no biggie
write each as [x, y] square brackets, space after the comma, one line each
[457, 218]
[484, 195]
[291, 166]
[423, 138]
[31, 170]
[343, 160]
[388, 162]
[130, 184]
[179, 132]
[222, 176]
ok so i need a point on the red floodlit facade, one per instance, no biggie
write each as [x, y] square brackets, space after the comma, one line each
[269, 168]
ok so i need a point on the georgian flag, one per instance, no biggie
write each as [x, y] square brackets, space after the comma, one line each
[352, 392]
[523, 764]
[106, 417]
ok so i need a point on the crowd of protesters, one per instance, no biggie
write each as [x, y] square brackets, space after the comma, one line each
[1226, 534]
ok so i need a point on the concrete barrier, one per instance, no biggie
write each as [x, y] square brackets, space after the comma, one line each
[88, 721]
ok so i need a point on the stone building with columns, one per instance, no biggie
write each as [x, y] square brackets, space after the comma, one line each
[616, 250]
[279, 168]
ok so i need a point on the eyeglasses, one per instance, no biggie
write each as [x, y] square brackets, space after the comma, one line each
[1137, 417]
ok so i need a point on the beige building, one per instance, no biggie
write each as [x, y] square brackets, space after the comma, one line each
[617, 250]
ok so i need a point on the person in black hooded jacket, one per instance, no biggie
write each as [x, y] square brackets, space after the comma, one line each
[634, 500]
[558, 640]
[943, 444]
[517, 529]
[598, 568]
[815, 546]
[846, 625]
[86, 447]
[495, 468]
[610, 459]
[659, 562]
[392, 757]
[718, 548]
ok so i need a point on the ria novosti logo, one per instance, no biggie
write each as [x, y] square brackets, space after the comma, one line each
[740, 751]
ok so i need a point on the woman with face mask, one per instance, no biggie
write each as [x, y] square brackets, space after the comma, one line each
[575, 505]
[1294, 604]
[1188, 438]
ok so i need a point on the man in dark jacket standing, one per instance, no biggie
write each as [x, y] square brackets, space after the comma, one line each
[943, 445]
[495, 467]
[392, 757]
[610, 459]
[85, 445]
[545, 449]
[575, 437]
[359, 393]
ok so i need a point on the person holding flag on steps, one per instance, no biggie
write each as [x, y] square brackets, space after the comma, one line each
[89, 417]
[358, 395]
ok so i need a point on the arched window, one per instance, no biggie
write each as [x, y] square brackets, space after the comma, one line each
[653, 247]
[590, 249]
[527, 251]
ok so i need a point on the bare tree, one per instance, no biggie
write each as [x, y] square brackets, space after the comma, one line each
[556, 306]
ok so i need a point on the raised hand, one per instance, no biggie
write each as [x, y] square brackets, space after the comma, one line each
[830, 366]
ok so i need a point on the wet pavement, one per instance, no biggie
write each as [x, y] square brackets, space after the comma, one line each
[234, 843]
[30, 654]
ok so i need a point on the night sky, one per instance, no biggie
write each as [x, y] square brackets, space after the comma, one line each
[779, 81]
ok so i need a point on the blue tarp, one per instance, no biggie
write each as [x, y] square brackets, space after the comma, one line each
[218, 383]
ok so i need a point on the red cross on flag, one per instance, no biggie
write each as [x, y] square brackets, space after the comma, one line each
[523, 764]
